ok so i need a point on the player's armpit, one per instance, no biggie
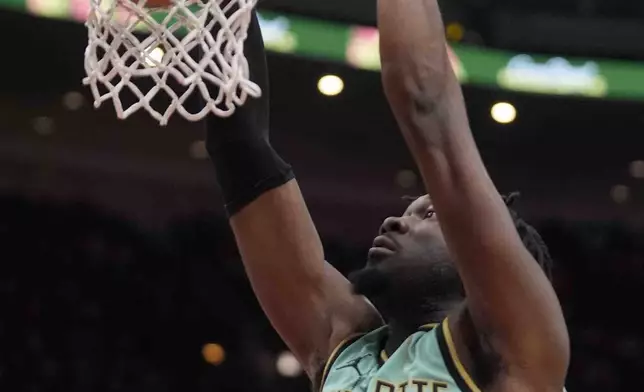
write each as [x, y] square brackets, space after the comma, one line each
[510, 299]
[308, 301]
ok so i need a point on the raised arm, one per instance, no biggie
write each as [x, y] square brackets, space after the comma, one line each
[308, 302]
[306, 299]
[510, 300]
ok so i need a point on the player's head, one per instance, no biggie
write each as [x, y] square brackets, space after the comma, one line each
[409, 264]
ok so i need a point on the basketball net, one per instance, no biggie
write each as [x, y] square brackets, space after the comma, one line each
[197, 43]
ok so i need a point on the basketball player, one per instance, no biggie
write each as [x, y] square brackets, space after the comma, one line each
[460, 302]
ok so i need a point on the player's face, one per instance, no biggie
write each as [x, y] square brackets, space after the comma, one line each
[411, 239]
[409, 257]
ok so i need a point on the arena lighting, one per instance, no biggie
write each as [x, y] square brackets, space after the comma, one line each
[406, 179]
[454, 31]
[155, 54]
[503, 112]
[620, 194]
[73, 100]
[287, 365]
[330, 85]
[213, 353]
[637, 169]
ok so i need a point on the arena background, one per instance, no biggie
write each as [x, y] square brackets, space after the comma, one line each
[118, 271]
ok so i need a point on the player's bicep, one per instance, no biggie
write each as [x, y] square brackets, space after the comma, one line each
[309, 302]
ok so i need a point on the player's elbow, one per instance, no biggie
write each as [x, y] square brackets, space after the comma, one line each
[420, 88]
[423, 78]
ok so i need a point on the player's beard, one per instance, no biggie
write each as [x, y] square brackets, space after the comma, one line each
[369, 281]
[408, 286]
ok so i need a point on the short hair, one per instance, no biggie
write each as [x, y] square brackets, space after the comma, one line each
[531, 239]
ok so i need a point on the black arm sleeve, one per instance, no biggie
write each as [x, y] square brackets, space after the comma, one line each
[245, 163]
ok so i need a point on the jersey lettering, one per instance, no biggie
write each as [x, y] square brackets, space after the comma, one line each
[412, 385]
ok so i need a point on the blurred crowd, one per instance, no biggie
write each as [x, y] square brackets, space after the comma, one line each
[92, 302]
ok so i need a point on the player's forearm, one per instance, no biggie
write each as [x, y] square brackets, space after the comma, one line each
[310, 304]
[423, 91]
[420, 85]
[278, 240]
[413, 53]
[428, 104]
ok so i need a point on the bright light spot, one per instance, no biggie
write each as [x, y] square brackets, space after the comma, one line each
[637, 169]
[288, 365]
[406, 179]
[198, 150]
[154, 56]
[503, 112]
[454, 31]
[213, 353]
[620, 194]
[330, 85]
[73, 100]
[43, 125]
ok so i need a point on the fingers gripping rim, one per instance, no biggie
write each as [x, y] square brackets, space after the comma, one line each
[189, 47]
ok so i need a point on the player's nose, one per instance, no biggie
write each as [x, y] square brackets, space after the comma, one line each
[394, 224]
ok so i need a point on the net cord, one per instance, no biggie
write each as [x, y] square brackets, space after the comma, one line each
[115, 58]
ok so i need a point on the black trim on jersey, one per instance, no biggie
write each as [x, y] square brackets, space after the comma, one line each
[449, 361]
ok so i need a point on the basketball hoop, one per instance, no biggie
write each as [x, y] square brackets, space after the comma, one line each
[195, 46]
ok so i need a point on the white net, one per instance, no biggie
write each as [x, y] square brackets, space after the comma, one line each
[194, 46]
